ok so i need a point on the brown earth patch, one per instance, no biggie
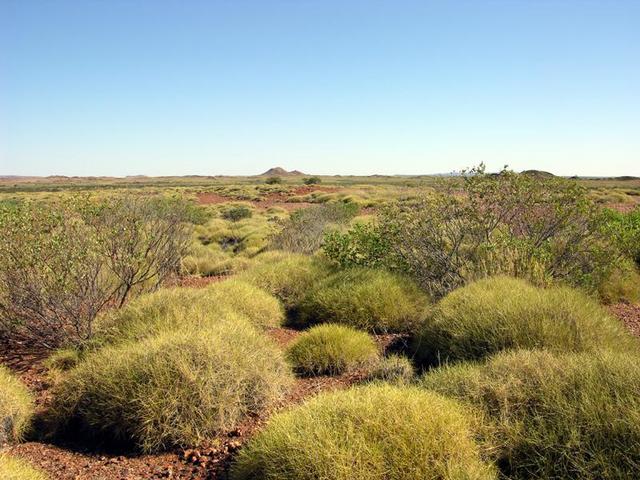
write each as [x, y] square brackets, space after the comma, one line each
[629, 314]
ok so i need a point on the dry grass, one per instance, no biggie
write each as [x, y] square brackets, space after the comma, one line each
[12, 468]
[16, 407]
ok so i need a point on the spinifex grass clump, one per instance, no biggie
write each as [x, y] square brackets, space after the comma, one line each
[503, 313]
[16, 407]
[392, 368]
[367, 433]
[564, 417]
[332, 349]
[173, 389]
[373, 300]
[12, 468]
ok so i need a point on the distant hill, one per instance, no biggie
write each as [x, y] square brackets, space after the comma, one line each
[280, 172]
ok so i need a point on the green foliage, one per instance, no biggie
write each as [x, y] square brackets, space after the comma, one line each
[332, 349]
[373, 300]
[501, 313]
[287, 276]
[520, 225]
[312, 180]
[625, 229]
[237, 213]
[303, 231]
[375, 432]
[273, 181]
[16, 407]
[12, 468]
[562, 417]
[392, 368]
[174, 388]
[623, 285]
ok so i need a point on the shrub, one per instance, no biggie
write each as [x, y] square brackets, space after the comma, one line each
[237, 213]
[12, 468]
[623, 285]
[392, 368]
[572, 416]
[332, 349]
[483, 225]
[287, 276]
[374, 300]
[180, 308]
[172, 389]
[375, 432]
[16, 407]
[501, 313]
[312, 180]
[273, 181]
[303, 231]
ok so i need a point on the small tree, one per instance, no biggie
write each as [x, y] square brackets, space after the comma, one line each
[273, 180]
[312, 180]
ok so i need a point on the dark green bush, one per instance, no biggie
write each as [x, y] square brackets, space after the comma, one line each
[273, 180]
[561, 417]
[375, 432]
[373, 300]
[312, 180]
[332, 349]
[237, 213]
[501, 313]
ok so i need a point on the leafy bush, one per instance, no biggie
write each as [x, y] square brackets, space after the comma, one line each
[392, 368]
[572, 416]
[375, 432]
[374, 300]
[16, 407]
[62, 263]
[273, 181]
[520, 225]
[303, 231]
[237, 213]
[312, 180]
[12, 468]
[172, 389]
[624, 228]
[287, 276]
[500, 313]
[332, 349]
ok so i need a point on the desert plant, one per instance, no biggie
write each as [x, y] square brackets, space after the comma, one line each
[287, 276]
[557, 416]
[312, 180]
[373, 300]
[501, 313]
[375, 432]
[623, 285]
[16, 407]
[520, 225]
[174, 388]
[392, 368]
[237, 213]
[332, 349]
[273, 180]
[13, 468]
[303, 231]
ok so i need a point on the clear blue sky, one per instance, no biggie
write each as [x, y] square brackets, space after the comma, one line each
[398, 87]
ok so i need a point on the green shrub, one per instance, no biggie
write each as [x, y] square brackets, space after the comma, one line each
[374, 300]
[332, 349]
[12, 468]
[501, 313]
[273, 181]
[312, 180]
[237, 213]
[16, 407]
[287, 276]
[374, 432]
[622, 286]
[172, 389]
[392, 368]
[571, 416]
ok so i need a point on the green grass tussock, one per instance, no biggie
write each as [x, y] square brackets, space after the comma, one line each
[557, 416]
[373, 432]
[332, 349]
[16, 407]
[287, 276]
[12, 468]
[501, 313]
[373, 300]
[173, 389]
[392, 368]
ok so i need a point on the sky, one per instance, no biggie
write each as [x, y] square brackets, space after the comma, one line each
[159, 87]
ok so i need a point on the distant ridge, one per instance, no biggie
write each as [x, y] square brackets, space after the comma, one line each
[280, 172]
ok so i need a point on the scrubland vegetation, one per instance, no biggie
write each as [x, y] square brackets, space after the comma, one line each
[464, 324]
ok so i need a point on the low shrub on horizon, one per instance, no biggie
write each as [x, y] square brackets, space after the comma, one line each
[373, 300]
[332, 349]
[555, 416]
[500, 313]
[373, 432]
[14, 468]
[172, 389]
[16, 407]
